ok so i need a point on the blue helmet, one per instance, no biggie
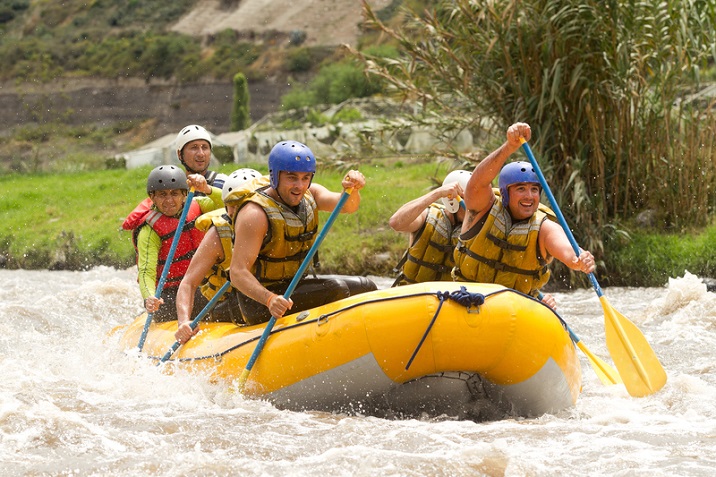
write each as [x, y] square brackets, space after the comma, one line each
[514, 173]
[291, 156]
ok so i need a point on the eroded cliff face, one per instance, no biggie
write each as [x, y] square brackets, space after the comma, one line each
[173, 106]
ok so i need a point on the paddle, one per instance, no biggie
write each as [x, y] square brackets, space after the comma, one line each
[167, 264]
[198, 318]
[607, 374]
[294, 282]
[637, 363]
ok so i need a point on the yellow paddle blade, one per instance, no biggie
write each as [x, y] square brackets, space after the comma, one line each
[607, 374]
[637, 363]
[243, 377]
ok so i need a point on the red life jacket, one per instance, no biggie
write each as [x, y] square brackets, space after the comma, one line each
[165, 227]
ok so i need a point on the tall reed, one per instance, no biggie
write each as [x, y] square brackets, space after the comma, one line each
[602, 83]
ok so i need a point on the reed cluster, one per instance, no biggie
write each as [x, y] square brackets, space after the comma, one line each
[607, 86]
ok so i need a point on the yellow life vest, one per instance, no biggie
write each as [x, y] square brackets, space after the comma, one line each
[237, 195]
[503, 252]
[289, 238]
[224, 224]
[430, 257]
[220, 271]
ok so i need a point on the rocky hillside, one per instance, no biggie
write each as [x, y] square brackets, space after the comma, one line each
[325, 22]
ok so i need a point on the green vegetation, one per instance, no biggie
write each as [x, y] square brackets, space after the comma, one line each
[337, 81]
[651, 258]
[67, 220]
[604, 86]
[45, 40]
[240, 111]
[53, 147]
[72, 220]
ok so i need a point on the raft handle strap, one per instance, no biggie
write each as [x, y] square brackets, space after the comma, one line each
[464, 298]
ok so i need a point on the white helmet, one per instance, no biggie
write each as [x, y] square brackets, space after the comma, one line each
[461, 177]
[236, 179]
[192, 133]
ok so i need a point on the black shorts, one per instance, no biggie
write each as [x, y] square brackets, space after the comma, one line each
[168, 311]
[310, 293]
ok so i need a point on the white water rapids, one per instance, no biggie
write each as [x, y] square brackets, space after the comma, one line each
[71, 403]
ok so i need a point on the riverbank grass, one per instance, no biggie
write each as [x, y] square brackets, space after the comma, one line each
[73, 221]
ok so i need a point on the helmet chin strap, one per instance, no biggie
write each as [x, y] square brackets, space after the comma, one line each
[189, 169]
[278, 193]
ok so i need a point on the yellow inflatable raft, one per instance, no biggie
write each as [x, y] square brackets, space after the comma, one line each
[467, 350]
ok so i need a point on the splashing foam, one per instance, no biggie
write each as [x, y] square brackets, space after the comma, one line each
[680, 292]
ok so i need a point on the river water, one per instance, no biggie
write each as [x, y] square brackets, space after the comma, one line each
[72, 404]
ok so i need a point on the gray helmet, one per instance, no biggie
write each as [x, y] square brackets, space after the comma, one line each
[166, 178]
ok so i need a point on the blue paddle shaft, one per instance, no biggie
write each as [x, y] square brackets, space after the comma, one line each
[198, 318]
[558, 212]
[572, 334]
[167, 264]
[297, 276]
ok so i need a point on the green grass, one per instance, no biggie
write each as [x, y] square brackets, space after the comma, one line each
[73, 221]
[652, 258]
[68, 220]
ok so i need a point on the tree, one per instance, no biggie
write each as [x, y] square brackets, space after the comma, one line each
[240, 118]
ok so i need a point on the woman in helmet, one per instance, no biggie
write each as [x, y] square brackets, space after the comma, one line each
[276, 226]
[509, 241]
[434, 228]
[209, 268]
[153, 233]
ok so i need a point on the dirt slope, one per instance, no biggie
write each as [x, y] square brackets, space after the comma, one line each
[326, 22]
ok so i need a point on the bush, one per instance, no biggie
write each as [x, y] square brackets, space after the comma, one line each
[298, 97]
[333, 84]
[347, 115]
[6, 14]
[299, 59]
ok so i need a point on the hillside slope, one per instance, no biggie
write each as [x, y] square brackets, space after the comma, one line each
[325, 22]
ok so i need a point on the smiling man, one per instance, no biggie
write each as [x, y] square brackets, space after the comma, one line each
[275, 227]
[510, 241]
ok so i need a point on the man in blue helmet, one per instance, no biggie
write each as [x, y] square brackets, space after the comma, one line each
[275, 227]
[510, 241]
